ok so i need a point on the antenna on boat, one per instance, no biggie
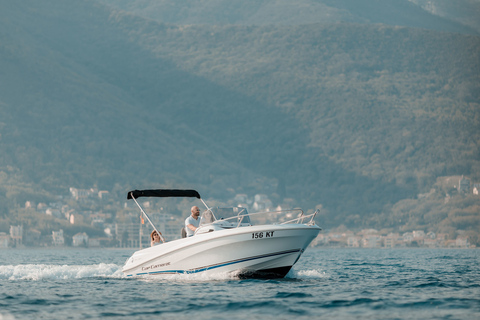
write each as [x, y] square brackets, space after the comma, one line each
[148, 218]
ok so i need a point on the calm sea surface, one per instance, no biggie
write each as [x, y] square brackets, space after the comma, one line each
[325, 284]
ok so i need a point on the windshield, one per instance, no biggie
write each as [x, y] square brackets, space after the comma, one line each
[215, 214]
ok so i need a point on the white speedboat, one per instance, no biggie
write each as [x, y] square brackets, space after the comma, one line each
[228, 240]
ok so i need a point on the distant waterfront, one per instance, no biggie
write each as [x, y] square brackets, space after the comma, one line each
[95, 218]
[371, 238]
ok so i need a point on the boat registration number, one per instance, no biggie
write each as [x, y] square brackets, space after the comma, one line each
[260, 235]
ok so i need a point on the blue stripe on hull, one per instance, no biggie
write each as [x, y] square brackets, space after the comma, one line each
[219, 265]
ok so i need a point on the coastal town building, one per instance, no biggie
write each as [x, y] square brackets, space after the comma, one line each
[371, 241]
[464, 185]
[80, 240]
[29, 204]
[392, 240]
[262, 203]
[103, 195]
[58, 238]
[81, 194]
[242, 200]
[354, 242]
[4, 240]
[476, 189]
[462, 242]
[16, 235]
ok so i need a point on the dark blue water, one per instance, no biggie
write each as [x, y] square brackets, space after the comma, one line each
[325, 283]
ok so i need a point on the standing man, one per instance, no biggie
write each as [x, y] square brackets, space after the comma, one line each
[192, 222]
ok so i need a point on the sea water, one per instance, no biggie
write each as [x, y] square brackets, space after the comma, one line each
[324, 284]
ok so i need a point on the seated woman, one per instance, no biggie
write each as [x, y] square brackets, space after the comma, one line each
[155, 238]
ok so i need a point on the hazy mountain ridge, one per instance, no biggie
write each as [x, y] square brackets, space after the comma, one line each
[74, 112]
[370, 88]
[98, 96]
[408, 13]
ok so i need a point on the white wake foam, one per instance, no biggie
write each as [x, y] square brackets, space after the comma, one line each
[43, 271]
[192, 277]
[307, 274]
[6, 316]
[220, 276]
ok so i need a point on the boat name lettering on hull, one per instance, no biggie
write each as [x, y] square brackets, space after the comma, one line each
[154, 266]
[260, 235]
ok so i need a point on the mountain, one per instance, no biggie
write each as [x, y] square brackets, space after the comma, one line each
[408, 13]
[351, 116]
[72, 106]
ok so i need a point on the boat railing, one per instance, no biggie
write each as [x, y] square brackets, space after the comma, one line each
[294, 216]
[303, 218]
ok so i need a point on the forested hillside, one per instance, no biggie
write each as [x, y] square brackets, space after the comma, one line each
[439, 15]
[73, 111]
[384, 102]
[355, 117]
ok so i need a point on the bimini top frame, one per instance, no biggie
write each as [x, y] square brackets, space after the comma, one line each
[161, 193]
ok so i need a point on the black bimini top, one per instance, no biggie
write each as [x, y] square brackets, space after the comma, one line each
[163, 193]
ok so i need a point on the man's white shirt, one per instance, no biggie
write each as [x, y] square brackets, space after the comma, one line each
[191, 220]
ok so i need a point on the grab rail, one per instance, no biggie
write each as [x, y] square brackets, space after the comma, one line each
[303, 218]
[298, 220]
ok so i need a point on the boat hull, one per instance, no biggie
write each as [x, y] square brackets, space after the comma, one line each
[267, 251]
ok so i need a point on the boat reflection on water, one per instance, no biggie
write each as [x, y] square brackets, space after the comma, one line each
[228, 240]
